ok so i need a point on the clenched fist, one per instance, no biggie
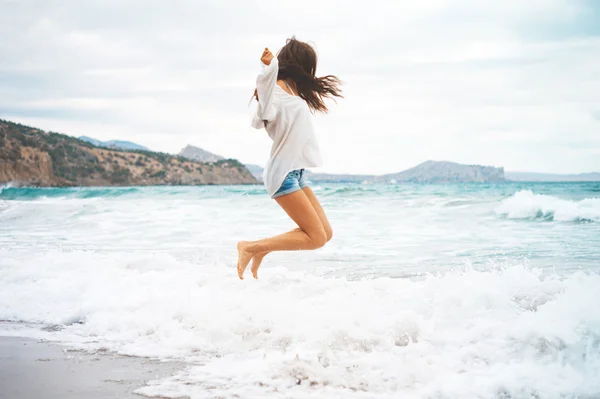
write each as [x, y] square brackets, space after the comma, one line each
[266, 57]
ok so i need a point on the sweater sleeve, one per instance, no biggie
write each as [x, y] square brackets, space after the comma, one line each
[265, 85]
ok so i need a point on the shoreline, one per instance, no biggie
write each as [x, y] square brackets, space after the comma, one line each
[32, 368]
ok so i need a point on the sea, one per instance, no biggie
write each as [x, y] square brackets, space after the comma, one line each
[425, 291]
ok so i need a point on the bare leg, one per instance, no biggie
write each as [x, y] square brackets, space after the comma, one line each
[309, 235]
[244, 258]
[256, 261]
[319, 209]
[258, 258]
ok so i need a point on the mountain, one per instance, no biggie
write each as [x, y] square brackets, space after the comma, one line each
[548, 177]
[427, 172]
[448, 172]
[339, 178]
[257, 171]
[198, 154]
[29, 156]
[123, 145]
[92, 141]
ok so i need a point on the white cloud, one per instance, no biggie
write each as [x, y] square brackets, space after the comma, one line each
[472, 81]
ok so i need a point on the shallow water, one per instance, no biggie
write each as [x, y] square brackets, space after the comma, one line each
[441, 291]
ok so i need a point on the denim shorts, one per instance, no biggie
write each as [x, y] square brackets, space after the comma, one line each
[294, 181]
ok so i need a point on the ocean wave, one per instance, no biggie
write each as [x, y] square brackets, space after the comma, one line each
[245, 190]
[39, 193]
[350, 190]
[516, 332]
[4, 187]
[36, 193]
[527, 205]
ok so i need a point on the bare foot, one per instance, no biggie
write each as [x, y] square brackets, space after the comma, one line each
[244, 257]
[256, 261]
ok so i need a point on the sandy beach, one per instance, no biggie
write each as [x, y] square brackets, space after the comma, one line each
[31, 369]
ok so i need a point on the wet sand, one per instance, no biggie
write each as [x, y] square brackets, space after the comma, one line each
[30, 369]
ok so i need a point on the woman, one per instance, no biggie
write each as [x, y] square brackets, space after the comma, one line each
[287, 90]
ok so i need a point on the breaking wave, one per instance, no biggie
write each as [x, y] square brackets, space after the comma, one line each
[527, 205]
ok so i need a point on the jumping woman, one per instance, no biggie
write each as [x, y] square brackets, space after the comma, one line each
[287, 91]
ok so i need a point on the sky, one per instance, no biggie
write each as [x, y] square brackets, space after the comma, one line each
[507, 83]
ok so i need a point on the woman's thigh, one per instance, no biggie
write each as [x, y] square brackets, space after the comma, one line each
[319, 210]
[301, 210]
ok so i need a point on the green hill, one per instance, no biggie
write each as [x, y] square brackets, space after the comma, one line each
[32, 157]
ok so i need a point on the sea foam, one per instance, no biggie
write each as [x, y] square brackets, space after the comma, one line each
[527, 205]
[508, 332]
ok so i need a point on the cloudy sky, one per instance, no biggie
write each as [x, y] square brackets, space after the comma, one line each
[508, 83]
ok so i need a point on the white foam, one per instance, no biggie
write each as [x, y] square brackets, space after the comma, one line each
[457, 335]
[527, 205]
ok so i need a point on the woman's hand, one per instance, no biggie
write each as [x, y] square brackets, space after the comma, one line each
[266, 57]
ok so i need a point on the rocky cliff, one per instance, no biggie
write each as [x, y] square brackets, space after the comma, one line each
[33, 157]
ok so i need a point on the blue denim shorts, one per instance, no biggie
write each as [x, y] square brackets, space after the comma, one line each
[294, 181]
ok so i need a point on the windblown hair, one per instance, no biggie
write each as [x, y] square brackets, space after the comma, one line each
[298, 64]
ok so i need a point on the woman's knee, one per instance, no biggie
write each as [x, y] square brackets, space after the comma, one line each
[318, 238]
[329, 233]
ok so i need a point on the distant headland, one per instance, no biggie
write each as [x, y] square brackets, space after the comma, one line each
[32, 157]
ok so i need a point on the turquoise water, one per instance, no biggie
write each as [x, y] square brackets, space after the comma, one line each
[431, 227]
[485, 290]
[572, 191]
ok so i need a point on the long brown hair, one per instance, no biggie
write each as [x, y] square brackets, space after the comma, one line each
[298, 63]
